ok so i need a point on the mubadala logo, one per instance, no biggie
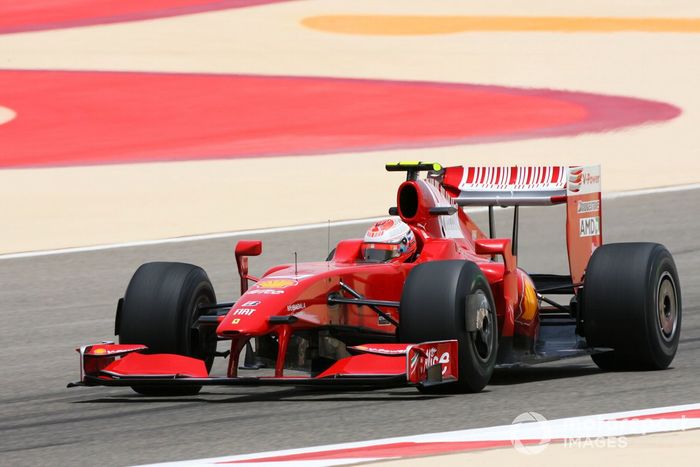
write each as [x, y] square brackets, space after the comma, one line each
[589, 227]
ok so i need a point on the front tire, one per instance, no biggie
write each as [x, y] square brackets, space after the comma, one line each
[437, 298]
[161, 309]
[632, 304]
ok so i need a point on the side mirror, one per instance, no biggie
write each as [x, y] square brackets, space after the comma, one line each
[244, 249]
[248, 248]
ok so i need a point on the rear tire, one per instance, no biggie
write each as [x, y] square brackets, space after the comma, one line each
[632, 304]
[160, 310]
[606, 361]
[434, 305]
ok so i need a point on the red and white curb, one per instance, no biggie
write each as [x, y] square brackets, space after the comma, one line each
[526, 437]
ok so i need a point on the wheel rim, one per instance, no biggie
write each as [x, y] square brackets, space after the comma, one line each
[667, 307]
[482, 338]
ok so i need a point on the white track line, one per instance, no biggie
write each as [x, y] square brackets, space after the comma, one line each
[293, 228]
[651, 191]
[189, 238]
[619, 424]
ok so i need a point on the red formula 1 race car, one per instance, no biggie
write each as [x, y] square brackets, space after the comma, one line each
[424, 299]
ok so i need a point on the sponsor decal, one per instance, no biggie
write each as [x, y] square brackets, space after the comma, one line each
[529, 303]
[236, 321]
[296, 307]
[119, 350]
[575, 179]
[414, 362]
[589, 227]
[589, 179]
[252, 303]
[382, 321]
[379, 228]
[296, 276]
[244, 311]
[380, 350]
[583, 180]
[264, 292]
[432, 358]
[276, 283]
[583, 207]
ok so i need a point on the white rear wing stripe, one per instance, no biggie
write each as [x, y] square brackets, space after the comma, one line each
[519, 185]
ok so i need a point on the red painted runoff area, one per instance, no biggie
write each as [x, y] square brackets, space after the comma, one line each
[665, 415]
[35, 15]
[388, 451]
[78, 118]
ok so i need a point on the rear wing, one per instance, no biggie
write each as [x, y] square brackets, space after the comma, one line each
[509, 186]
[578, 187]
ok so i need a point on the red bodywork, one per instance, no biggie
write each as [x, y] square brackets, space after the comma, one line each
[291, 299]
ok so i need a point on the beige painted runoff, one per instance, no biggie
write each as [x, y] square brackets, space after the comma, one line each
[81, 206]
[678, 449]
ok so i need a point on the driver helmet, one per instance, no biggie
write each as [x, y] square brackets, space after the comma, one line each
[388, 240]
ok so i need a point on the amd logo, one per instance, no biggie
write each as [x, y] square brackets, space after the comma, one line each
[589, 227]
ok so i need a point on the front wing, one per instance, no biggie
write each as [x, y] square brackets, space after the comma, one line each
[374, 365]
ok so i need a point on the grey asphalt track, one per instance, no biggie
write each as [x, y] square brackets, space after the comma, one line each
[50, 305]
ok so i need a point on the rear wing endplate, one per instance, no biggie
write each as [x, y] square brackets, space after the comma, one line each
[577, 186]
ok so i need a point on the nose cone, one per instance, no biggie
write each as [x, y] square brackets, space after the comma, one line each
[251, 313]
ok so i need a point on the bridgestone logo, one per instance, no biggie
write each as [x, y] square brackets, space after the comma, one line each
[589, 227]
[588, 206]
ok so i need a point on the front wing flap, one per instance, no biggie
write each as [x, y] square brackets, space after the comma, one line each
[376, 365]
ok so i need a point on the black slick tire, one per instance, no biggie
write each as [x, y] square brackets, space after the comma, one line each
[632, 304]
[434, 306]
[160, 310]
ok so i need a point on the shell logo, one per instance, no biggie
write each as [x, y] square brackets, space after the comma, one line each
[276, 283]
[99, 351]
[529, 304]
[575, 179]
